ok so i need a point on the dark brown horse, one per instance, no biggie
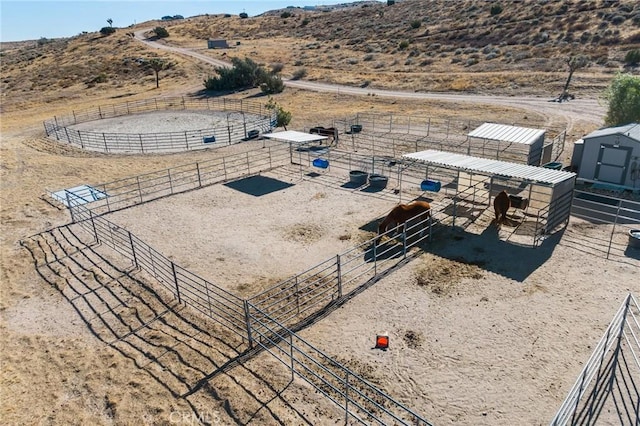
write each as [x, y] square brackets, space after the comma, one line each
[501, 205]
[403, 212]
[326, 131]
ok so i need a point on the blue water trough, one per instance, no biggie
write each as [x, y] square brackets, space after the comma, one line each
[321, 163]
[431, 185]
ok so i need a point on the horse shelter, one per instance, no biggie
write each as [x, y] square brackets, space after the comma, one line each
[540, 197]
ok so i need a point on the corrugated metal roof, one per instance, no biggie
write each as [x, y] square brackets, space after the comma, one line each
[293, 136]
[491, 167]
[631, 130]
[506, 133]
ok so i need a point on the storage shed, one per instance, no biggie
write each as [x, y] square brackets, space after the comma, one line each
[611, 156]
[507, 143]
[217, 44]
[543, 195]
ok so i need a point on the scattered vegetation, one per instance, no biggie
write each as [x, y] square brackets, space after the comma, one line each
[632, 58]
[105, 31]
[161, 32]
[244, 74]
[623, 96]
[496, 9]
[283, 118]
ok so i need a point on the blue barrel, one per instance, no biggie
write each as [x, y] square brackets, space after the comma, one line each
[430, 185]
[321, 163]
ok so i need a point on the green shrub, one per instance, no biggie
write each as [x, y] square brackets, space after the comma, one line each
[299, 73]
[403, 45]
[107, 31]
[243, 15]
[415, 24]
[496, 9]
[285, 15]
[305, 22]
[271, 84]
[161, 32]
[632, 57]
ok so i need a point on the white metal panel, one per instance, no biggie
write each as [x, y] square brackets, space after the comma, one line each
[506, 133]
[294, 136]
[491, 167]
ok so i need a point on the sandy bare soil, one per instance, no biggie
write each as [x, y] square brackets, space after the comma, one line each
[481, 332]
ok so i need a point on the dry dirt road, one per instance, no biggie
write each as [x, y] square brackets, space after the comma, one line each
[588, 110]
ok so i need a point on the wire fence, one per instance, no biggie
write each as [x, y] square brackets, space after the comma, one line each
[388, 134]
[127, 192]
[241, 119]
[621, 214]
[264, 319]
[610, 374]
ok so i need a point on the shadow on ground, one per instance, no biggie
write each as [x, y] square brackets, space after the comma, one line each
[166, 340]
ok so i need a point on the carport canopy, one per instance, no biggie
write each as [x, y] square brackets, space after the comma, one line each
[294, 137]
[488, 167]
[506, 133]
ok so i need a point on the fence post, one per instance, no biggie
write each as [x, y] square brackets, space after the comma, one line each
[247, 320]
[291, 356]
[198, 172]
[454, 213]
[339, 272]
[139, 190]
[175, 279]
[93, 225]
[104, 140]
[133, 251]
[404, 240]
[346, 399]
[613, 230]
[170, 182]
[69, 206]
[297, 296]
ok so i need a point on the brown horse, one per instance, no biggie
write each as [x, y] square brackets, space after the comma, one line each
[326, 131]
[501, 205]
[403, 212]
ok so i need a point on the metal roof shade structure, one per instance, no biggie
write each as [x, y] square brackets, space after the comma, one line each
[506, 133]
[539, 175]
[547, 192]
[293, 136]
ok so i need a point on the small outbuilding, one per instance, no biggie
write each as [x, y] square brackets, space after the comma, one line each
[508, 143]
[610, 156]
[217, 44]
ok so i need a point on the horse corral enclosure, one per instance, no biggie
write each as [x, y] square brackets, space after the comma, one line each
[269, 240]
[387, 134]
[179, 124]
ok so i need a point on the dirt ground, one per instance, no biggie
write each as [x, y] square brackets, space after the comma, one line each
[497, 337]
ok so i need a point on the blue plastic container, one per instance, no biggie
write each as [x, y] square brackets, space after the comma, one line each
[431, 185]
[554, 166]
[321, 163]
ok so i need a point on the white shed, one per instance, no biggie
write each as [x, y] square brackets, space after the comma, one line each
[611, 156]
[508, 143]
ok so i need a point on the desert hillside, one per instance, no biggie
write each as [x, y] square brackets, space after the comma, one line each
[420, 45]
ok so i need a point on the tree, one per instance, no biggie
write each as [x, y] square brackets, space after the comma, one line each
[623, 96]
[282, 117]
[157, 65]
[105, 31]
[110, 22]
[161, 32]
[574, 63]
